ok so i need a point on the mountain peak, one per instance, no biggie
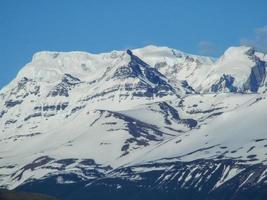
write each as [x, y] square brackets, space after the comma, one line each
[60, 55]
[50, 66]
[239, 50]
[237, 58]
[78, 118]
[129, 52]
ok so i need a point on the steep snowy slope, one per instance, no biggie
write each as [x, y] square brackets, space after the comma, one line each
[240, 69]
[225, 153]
[236, 133]
[177, 65]
[46, 112]
[152, 118]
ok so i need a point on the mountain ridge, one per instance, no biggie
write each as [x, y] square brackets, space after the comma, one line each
[130, 117]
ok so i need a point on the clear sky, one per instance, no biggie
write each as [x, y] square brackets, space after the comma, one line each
[204, 27]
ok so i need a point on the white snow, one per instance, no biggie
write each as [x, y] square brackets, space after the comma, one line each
[88, 129]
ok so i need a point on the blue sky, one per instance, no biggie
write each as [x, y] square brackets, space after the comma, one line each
[205, 27]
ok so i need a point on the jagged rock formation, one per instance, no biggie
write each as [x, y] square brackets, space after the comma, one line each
[144, 123]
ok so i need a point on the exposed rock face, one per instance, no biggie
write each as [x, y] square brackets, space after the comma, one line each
[225, 83]
[62, 89]
[201, 179]
[235, 80]
[257, 76]
[150, 123]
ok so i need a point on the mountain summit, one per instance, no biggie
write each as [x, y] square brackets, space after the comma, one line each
[146, 123]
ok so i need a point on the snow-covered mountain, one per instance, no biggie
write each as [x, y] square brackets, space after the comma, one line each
[240, 69]
[146, 123]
